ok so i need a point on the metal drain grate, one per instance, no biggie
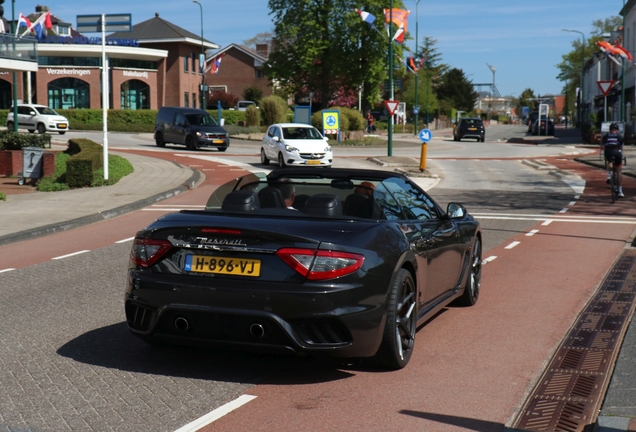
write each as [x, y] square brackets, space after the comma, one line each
[570, 392]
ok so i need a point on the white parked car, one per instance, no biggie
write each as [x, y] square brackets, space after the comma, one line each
[295, 144]
[38, 117]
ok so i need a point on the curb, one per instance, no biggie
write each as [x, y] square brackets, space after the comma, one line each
[614, 424]
[101, 216]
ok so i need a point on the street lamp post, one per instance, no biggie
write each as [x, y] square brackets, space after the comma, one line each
[579, 106]
[417, 73]
[15, 74]
[623, 71]
[202, 60]
[493, 69]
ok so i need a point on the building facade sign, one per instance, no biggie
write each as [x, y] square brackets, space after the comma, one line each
[87, 40]
[65, 71]
[135, 74]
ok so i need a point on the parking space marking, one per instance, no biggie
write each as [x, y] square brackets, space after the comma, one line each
[531, 233]
[216, 414]
[71, 254]
[125, 240]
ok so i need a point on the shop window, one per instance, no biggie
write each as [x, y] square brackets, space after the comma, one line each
[68, 93]
[135, 95]
[186, 102]
[185, 63]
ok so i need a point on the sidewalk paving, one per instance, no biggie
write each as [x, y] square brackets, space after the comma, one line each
[29, 215]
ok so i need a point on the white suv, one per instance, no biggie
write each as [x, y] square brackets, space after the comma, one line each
[38, 117]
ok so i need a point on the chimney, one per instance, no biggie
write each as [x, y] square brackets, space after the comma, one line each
[39, 8]
[263, 49]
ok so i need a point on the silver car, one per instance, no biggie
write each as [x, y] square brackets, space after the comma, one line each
[295, 144]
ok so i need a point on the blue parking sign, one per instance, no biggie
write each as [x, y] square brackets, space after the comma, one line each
[426, 135]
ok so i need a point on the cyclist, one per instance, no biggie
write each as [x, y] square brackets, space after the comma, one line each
[612, 145]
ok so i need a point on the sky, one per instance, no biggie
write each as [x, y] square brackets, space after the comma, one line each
[523, 40]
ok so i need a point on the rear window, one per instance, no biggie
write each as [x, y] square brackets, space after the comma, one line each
[472, 122]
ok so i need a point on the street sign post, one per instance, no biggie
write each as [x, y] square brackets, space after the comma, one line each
[605, 87]
[103, 23]
[391, 106]
[425, 136]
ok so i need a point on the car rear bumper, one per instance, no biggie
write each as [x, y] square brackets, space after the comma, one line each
[348, 322]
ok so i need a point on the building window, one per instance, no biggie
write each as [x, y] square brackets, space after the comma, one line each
[68, 93]
[194, 100]
[194, 67]
[135, 94]
[259, 73]
[186, 102]
[185, 63]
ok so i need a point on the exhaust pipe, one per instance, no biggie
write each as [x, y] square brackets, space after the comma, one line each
[257, 330]
[181, 324]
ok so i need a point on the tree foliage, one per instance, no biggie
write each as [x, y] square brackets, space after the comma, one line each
[324, 47]
[458, 90]
[526, 98]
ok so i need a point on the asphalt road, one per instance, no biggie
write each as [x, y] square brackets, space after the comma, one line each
[68, 362]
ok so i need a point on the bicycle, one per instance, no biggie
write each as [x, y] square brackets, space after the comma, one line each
[613, 180]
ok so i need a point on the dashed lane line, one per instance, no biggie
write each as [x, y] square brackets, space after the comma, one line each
[6, 270]
[513, 244]
[531, 233]
[125, 240]
[489, 259]
[70, 255]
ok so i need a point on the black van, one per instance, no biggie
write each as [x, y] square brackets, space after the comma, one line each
[191, 127]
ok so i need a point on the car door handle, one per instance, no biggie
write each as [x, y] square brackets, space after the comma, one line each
[424, 243]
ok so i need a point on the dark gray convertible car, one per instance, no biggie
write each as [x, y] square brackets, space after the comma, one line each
[341, 262]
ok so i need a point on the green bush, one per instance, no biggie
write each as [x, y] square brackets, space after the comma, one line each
[87, 157]
[274, 110]
[57, 180]
[10, 140]
[253, 93]
[252, 116]
[3, 197]
[118, 167]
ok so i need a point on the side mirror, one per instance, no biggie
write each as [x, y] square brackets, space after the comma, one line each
[455, 211]
[326, 138]
[32, 112]
[276, 138]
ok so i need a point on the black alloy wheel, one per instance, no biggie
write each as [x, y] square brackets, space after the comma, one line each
[473, 281]
[159, 140]
[264, 160]
[10, 127]
[401, 319]
[190, 143]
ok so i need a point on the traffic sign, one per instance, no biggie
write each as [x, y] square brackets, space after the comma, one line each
[391, 106]
[605, 86]
[416, 110]
[426, 135]
[112, 23]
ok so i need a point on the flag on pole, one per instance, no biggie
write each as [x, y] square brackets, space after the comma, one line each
[215, 63]
[366, 16]
[39, 25]
[622, 51]
[400, 19]
[22, 22]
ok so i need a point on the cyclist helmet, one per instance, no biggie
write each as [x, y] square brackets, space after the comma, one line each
[613, 126]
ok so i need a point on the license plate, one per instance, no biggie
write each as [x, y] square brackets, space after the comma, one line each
[218, 141]
[222, 265]
[472, 128]
[62, 125]
[312, 162]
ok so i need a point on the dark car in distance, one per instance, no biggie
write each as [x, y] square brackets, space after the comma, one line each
[543, 127]
[359, 260]
[191, 127]
[469, 127]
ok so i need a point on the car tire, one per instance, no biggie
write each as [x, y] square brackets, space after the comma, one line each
[189, 142]
[159, 140]
[455, 138]
[483, 139]
[31, 130]
[62, 133]
[41, 128]
[281, 161]
[10, 126]
[473, 281]
[398, 340]
[221, 149]
[264, 160]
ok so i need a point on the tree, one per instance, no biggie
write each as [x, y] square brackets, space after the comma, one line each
[526, 98]
[432, 60]
[458, 90]
[253, 93]
[324, 47]
[426, 98]
[259, 39]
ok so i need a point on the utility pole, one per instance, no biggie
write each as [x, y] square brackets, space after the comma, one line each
[390, 136]
[417, 72]
[202, 62]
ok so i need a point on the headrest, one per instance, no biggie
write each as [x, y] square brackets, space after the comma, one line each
[240, 200]
[358, 205]
[323, 205]
[271, 197]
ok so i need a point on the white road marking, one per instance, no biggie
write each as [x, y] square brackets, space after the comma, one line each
[531, 233]
[216, 414]
[489, 259]
[125, 240]
[546, 223]
[177, 205]
[556, 217]
[172, 209]
[563, 210]
[70, 255]
[511, 245]
[577, 197]
[572, 203]
[6, 270]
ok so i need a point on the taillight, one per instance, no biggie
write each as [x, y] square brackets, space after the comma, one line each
[321, 264]
[146, 252]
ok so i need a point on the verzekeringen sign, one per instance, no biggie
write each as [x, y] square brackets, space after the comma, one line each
[85, 40]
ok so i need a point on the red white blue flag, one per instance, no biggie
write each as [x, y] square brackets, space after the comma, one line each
[366, 16]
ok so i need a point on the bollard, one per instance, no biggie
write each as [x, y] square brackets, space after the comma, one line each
[423, 158]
